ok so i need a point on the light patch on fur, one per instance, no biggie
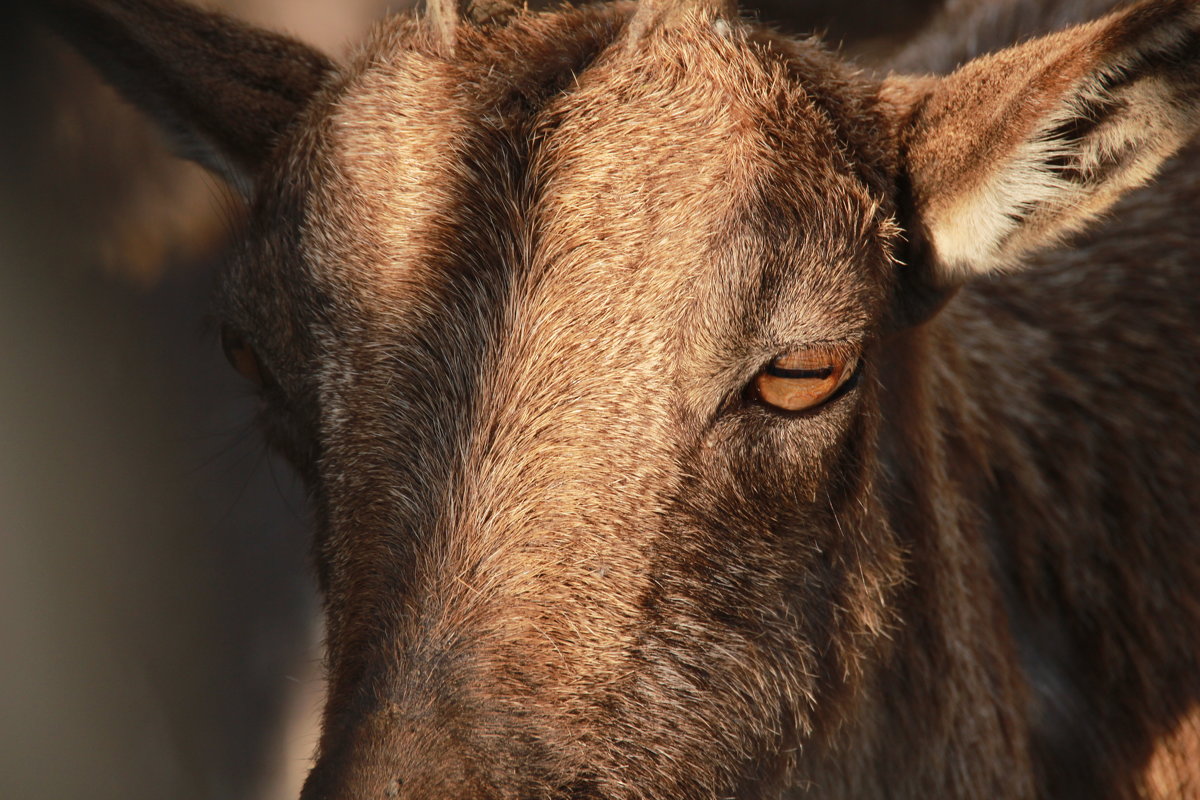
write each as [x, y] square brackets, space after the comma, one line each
[968, 236]
[1173, 769]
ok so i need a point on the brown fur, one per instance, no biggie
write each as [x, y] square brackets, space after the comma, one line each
[508, 299]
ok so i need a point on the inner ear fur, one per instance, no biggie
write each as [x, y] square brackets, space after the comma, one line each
[223, 91]
[1015, 150]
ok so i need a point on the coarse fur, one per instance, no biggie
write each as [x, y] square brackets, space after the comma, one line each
[507, 278]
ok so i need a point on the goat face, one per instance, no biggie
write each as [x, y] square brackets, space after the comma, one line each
[512, 322]
[592, 335]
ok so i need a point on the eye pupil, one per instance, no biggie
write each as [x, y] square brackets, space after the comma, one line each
[811, 374]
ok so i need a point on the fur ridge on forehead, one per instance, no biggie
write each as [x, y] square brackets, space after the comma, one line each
[402, 125]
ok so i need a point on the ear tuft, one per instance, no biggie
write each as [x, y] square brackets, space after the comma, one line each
[443, 18]
[1018, 149]
[651, 14]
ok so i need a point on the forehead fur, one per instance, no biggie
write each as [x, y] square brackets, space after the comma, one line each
[554, 133]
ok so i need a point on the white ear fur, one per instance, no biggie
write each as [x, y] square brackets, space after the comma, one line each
[1016, 150]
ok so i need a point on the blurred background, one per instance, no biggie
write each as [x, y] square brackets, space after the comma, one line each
[159, 633]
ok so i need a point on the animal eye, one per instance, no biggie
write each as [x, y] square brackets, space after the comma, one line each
[804, 379]
[242, 356]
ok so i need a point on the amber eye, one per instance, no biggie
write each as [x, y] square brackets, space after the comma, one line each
[804, 379]
[241, 356]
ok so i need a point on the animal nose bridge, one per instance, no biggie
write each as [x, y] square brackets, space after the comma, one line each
[386, 755]
[419, 713]
[429, 708]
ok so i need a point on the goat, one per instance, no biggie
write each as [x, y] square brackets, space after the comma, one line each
[689, 414]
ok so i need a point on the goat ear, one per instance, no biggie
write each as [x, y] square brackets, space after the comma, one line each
[221, 90]
[1017, 149]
